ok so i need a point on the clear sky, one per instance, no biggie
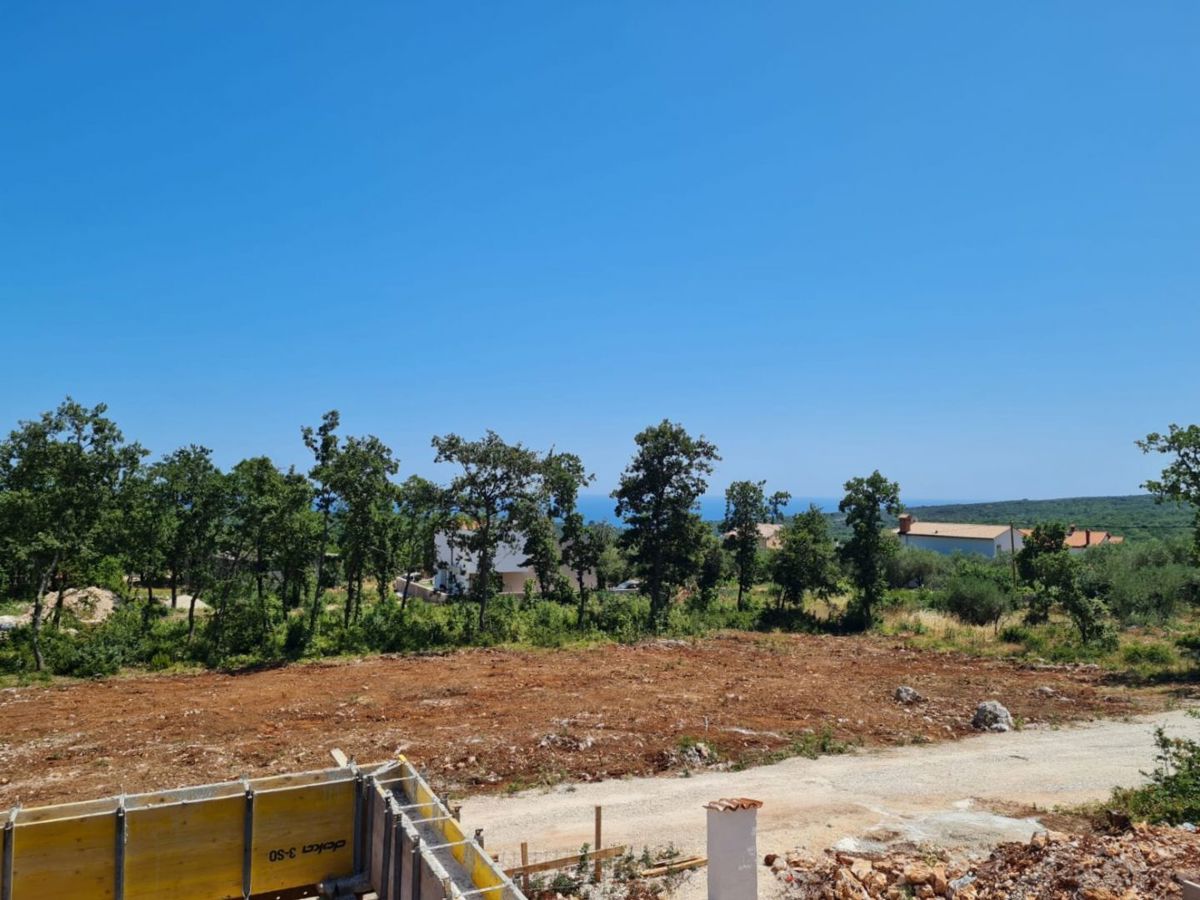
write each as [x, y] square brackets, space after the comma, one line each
[954, 241]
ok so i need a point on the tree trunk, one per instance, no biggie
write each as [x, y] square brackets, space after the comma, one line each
[349, 602]
[192, 615]
[258, 573]
[59, 600]
[404, 596]
[149, 591]
[266, 619]
[582, 599]
[315, 612]
[35, 622]
[740, 592]
[174, 589]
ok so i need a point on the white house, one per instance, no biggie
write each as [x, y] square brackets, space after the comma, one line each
[456, 567]
[952, 537]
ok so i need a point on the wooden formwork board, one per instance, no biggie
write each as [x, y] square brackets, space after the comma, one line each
[238, 839]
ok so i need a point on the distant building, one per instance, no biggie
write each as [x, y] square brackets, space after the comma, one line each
[1080, 539]
[768, 536]
[456, 567]
[953, 537]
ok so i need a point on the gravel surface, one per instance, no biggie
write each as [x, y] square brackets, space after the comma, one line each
[865, 802]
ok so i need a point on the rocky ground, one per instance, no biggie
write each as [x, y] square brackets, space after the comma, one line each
[1143, 863]
[482, 720]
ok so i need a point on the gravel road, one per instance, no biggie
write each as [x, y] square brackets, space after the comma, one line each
[924, 793]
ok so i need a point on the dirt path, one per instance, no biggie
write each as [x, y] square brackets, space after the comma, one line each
[936, 794]
[480, 720]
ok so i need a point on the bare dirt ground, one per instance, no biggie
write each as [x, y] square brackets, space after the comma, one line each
[480, 720]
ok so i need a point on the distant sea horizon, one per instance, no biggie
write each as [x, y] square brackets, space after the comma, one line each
[601, 508]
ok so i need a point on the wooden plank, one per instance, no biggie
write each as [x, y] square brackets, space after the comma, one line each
[304, 835]
[679, 865]
[596, 847]
[64, 857]
[563, 862]
[185, 852]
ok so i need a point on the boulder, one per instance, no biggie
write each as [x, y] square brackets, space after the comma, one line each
[990, 715]
[906, 695]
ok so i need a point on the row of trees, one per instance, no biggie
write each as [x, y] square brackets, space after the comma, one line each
[79, 504]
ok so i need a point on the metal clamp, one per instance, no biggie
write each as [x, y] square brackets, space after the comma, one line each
[6, 862]
[119, 862]
[247, 840]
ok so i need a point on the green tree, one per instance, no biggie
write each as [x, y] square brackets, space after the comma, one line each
[713, 564]
[1056, 581]
[420, 516]
[59, 477]
[745, 508]
[195, 494]
[296, 537]
[657, 497]
[611, 565]
[147, 523]
[868, 550]
[806, 561]
[777, 503]
[1045, 537]
[361, 477]
[1180, 480]
[322, 442]
[496, 478]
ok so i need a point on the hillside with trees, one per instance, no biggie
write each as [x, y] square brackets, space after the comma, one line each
[258, 564]
[1136, 516]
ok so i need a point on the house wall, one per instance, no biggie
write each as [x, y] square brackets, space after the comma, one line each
[948, 545]
[1003, 544]
[455, 565]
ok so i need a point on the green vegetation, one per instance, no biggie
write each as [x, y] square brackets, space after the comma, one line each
[256, 565]
[1137, 517]
[1173, 794]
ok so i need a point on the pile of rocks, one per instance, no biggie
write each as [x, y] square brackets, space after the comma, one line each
[842, 876]
[1144, 862]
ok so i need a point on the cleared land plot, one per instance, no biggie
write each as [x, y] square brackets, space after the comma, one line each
[492, 718]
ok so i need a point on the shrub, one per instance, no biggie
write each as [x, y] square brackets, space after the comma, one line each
[1173, 794]
[911, 567]
[975, 600]
[1148, 654]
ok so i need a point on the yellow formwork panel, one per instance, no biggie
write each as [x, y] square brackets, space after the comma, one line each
[187, 851]
[482, 870]
[64, 858]
[302, 836]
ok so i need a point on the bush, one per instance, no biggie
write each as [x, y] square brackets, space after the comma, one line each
[623, 617]
[1031, 640]
[911, 567]
[975, 600]
[1173, 794]
[1148, 654]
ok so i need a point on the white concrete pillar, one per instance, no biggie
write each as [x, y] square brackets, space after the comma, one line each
[733, 849]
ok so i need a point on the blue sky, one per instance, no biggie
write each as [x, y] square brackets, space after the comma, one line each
[957, 242]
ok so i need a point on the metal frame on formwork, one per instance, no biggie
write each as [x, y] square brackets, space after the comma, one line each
[335, 831]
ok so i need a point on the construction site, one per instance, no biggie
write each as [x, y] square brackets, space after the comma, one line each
[219, 785]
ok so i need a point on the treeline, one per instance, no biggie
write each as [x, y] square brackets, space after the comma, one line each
[1136, 517]
[285, 563]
